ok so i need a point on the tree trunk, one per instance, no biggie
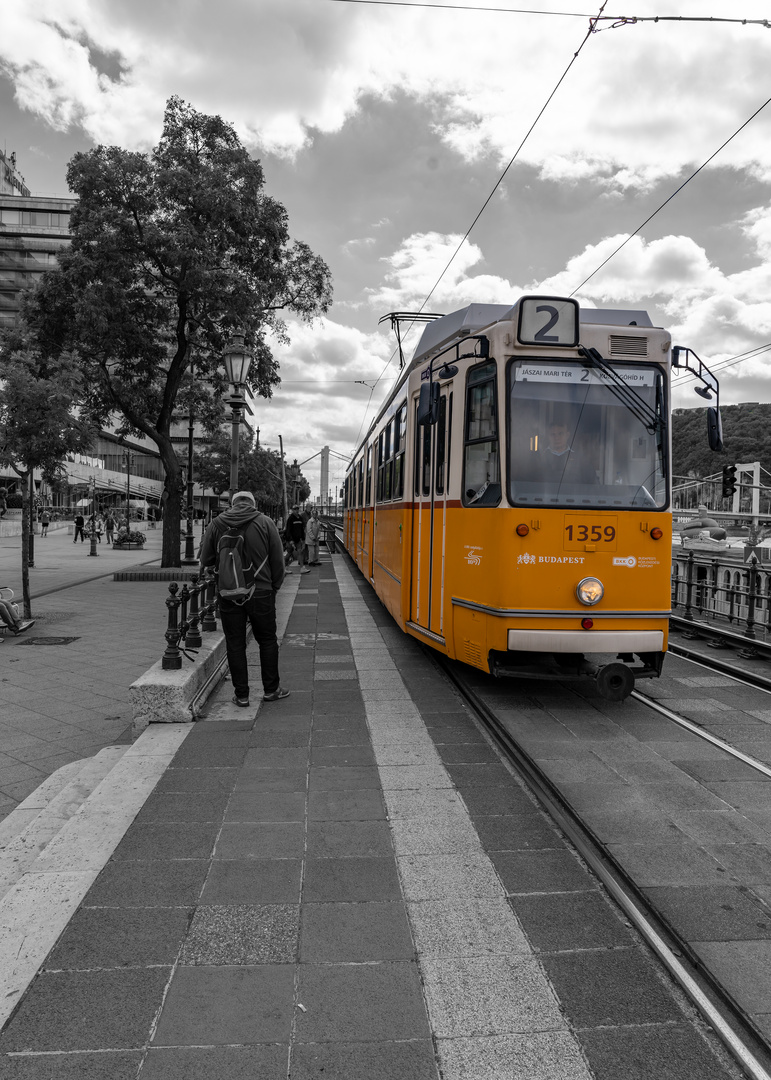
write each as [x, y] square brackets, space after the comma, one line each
[172, 506]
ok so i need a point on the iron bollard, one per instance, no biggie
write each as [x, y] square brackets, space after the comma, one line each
[172, 657]
[193, 638]
[751, 597]
[184, 600]
[688, 613]
[209, 622]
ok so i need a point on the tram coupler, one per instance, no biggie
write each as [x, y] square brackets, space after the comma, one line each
[615, 681]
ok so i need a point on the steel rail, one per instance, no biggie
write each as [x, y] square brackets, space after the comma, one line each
[624, 892]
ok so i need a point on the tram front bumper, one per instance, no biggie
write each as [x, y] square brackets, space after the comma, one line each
[586, 641]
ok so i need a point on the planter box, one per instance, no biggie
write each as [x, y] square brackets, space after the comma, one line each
[128, 547]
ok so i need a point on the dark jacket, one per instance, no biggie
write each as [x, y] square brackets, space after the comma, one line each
[295, 527]
[260, 539]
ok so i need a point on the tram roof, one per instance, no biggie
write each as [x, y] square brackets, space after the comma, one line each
[474, 318]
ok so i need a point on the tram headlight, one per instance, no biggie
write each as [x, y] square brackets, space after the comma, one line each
[590, 591]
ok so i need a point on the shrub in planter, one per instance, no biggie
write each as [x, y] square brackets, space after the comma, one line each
[14, 501]
[134, 539]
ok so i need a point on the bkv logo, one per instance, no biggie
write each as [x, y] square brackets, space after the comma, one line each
[625, 560]
[473, 556]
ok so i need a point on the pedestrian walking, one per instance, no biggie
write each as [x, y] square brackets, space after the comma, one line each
[109, 527]
[98, 527]
[245, 532]
[45, 521]
[294, 534]
[80, 521]
[312, 537]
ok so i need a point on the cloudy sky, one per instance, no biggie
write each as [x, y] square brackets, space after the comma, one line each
[384, 128]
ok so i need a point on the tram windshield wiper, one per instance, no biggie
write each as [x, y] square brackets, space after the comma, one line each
[651, 420]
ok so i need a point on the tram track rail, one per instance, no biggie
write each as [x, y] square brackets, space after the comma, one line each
[712, 1002]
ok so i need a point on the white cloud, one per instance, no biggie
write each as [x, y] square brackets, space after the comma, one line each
[281, 68]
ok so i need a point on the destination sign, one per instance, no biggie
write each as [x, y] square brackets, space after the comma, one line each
[574, 375]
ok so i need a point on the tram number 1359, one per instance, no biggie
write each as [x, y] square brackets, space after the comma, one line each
[578, 533]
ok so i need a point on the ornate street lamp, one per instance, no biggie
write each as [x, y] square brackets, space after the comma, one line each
[93, 551]
[190, 559]
[237, 359]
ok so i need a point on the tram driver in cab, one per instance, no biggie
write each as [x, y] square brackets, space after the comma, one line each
[562, 461]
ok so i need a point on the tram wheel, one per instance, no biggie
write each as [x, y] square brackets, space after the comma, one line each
[615, 682]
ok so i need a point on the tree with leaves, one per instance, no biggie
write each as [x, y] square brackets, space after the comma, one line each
[259, 470]
[39, 425]
[172, 253]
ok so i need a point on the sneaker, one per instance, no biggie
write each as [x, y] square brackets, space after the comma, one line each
[277, 695]
[24, 626]
[305, 570]
[242, 702]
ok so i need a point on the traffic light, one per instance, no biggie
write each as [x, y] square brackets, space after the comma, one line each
[729, 481]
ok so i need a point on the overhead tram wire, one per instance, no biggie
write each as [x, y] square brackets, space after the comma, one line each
[563, 76]
[671, 197]
[616, 20]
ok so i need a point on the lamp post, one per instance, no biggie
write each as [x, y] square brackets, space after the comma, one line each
[237, 359]
[190, 558]
[92, 549]
[128, 457]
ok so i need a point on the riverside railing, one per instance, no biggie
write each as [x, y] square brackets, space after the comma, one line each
[720, 591]
[191, 611]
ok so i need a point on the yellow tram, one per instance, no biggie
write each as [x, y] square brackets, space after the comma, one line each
[511, 502]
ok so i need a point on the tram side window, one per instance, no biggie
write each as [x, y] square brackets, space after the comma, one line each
[380, 460]
[418, 432]
[360, 484]
[426, 469]
[441, 444]
[388, 467]
[369, 475]
[400, 441]
[481, 456]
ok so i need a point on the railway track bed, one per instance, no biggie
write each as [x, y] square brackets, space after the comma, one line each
[686, 823]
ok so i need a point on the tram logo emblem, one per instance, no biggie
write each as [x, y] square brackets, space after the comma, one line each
[628, 560]
[473, 556]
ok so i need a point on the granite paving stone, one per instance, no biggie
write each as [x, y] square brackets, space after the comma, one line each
[368, 1002]
[354, 932]
[345, 804]
[566, 921]
[209, 1005]
[253, 881]
[150, 883]
[214, 1062]
[334, 778]
[474, 927]
[87, 1010]
[608, 987]
[666, 1051]
[518, 832]
[374, 1060]
[350, 879]
[118, 1065]
[328, 839]
[260, 840]
[242, 934]
[539, 871]
[554, 1055]
[490, 995]
[117, 937]
[275, 779]
[266, 806]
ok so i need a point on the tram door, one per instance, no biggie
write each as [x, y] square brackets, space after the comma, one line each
[367, 515]
[429, 525]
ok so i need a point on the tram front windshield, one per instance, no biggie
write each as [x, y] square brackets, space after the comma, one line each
[574, 439]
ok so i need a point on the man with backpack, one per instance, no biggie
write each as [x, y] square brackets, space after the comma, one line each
[244, 546]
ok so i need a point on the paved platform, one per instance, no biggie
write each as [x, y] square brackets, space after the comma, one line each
[348, 883]
[64, 684]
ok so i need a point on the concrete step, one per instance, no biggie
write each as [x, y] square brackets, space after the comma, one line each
[36, 826]
[36, 908]
[29, 808]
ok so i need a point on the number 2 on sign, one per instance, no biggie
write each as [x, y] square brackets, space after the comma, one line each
[592, 533]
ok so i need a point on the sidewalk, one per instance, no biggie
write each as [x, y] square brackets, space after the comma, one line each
[346, 884]
[64, 683]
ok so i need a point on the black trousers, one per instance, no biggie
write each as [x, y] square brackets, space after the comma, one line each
[260, 613]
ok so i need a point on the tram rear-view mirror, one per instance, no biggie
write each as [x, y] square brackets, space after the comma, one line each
[428, 404]
[714, 429]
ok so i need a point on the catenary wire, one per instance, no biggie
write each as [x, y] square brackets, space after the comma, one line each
[498, 182]
[671, 197]
[616, 20]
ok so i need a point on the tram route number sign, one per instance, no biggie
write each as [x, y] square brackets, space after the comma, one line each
[581, 530]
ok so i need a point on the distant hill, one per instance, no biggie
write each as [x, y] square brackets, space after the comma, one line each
[746, 437]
